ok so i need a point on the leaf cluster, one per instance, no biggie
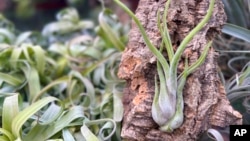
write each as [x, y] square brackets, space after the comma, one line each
[61, 83]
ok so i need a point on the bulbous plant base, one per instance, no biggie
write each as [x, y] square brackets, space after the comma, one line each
[205, 101]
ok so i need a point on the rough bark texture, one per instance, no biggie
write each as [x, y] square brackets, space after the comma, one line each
[206, 104]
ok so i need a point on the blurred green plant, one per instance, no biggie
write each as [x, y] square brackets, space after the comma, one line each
[237, 12]
[27, 8]
[233, 46]
[61, 84]
[68, 25]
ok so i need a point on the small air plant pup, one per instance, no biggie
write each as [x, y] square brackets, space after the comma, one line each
[168, 104]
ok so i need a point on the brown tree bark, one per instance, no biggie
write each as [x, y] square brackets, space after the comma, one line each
[205, 101]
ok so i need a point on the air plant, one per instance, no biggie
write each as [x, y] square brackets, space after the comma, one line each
[51, 92]
[167, 107]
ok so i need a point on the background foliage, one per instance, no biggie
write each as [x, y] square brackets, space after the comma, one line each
[60, 83]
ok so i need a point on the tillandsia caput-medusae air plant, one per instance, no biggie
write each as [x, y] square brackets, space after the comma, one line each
[168, 104]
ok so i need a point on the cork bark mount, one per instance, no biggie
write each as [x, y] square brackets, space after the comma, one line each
[205, 102]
